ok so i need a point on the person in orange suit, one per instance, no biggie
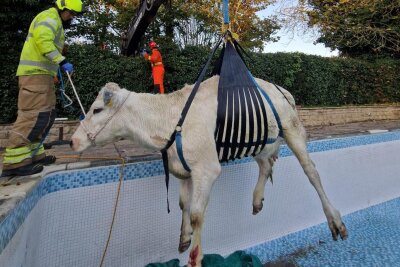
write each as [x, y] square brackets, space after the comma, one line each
[157, 66]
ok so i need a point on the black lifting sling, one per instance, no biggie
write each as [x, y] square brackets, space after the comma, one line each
[241, 109]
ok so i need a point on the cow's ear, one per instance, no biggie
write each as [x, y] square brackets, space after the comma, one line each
[107, 97]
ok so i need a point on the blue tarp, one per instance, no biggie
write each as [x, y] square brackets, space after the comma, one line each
[236, 259]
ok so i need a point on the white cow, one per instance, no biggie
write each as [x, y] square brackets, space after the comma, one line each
[150, 119]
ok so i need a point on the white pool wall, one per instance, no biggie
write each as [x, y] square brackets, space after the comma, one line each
[70, 227]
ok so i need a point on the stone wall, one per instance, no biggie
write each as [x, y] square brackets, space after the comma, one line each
[348, 114]
[63, 130]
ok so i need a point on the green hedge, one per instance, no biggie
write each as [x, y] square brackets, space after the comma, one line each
[15, 17]
[8, 88]
[319, 81]
[313, 80]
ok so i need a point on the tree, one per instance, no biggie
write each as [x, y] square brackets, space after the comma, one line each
[189, 22]
[97, 26]
[356, 27]
[253, 31]
[15, 18]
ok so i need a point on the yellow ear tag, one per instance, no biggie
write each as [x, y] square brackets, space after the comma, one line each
[109, 104]
[235, 36]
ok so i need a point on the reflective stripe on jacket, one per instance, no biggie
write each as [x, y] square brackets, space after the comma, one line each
[19, 154]
[42, 49]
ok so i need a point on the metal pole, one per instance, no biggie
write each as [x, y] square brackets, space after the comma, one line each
[76, 94]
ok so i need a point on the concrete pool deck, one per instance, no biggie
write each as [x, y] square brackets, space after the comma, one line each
[13, 190]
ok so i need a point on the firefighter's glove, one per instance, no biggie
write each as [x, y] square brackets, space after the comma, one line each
[144, 52]
[66, 66]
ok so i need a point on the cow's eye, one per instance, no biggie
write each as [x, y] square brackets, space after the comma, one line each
[97, 110]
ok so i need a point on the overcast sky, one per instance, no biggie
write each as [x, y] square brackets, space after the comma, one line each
[298, 44]
[294, 42]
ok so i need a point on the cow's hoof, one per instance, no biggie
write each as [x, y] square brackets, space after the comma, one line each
[183, 246]
[339, 231]
[257, 208]
[343, 232]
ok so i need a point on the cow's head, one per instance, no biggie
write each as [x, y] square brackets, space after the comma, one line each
[103, 123]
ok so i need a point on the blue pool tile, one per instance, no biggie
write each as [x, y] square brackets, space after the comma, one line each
[374, 241]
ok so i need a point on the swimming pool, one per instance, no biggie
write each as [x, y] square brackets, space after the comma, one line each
[65, 220]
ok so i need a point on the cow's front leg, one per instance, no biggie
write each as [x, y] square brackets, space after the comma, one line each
[265, 165]
[184, 203]
[202, 182]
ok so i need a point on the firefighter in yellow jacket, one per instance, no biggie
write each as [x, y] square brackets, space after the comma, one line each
[40, 60]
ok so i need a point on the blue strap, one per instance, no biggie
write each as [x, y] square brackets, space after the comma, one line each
[270, 141]
[225, 10]
[38, 147]
[183, 116]
[178, 140]
[278, 120]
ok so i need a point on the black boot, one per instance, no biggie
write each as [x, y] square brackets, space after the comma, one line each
[156, 89]
[47, 160]
[23, 171]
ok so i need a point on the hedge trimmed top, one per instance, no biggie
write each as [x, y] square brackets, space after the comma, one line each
[313, 80]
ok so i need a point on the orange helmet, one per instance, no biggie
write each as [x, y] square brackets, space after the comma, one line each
[152, 44]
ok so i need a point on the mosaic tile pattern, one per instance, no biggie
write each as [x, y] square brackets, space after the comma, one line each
[374, 241]
[110, 174]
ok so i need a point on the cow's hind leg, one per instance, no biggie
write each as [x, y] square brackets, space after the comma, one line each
[184, 203]
[296, 140]
[265, 166]
[203, 180]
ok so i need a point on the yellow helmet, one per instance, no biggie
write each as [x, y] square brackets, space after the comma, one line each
[73, 5]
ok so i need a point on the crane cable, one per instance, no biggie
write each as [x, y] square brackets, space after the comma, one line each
[226, 23]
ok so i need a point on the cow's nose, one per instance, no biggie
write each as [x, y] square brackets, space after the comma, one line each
[74, 144]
